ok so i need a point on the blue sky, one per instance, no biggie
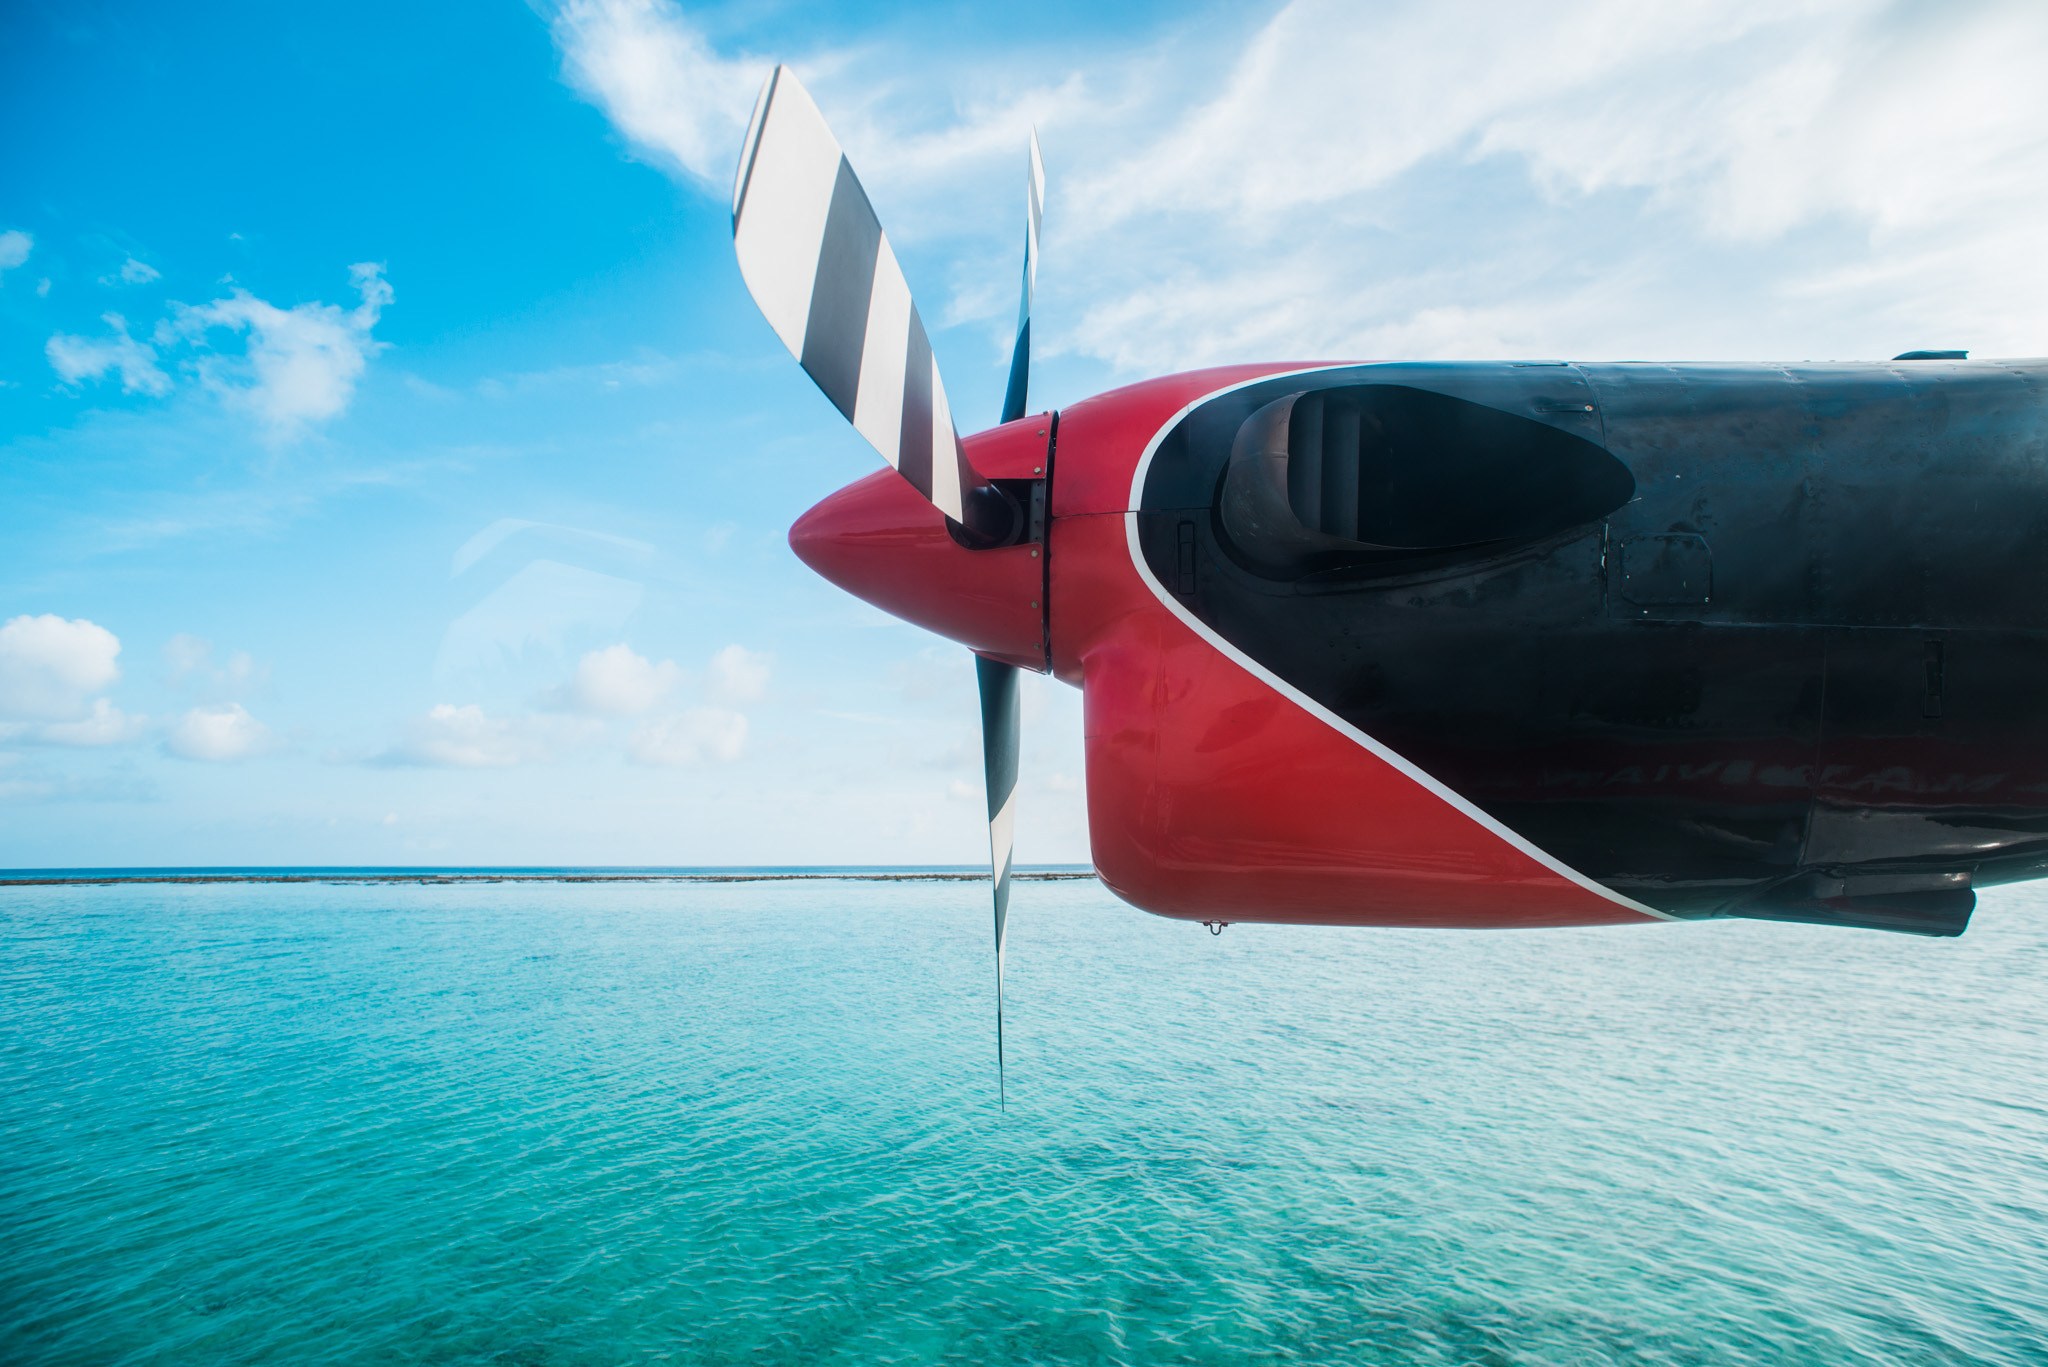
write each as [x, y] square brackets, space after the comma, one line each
[393, 468]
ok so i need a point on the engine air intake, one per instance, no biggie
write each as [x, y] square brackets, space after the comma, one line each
[1383, 475]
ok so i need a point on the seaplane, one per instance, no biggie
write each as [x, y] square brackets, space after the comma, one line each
[1484, 644]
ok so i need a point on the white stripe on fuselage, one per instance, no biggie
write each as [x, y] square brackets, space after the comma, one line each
[1310, 705]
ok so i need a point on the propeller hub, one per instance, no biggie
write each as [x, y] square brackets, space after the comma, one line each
[882, 542]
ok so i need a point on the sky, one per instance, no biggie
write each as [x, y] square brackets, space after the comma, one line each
[394, 470]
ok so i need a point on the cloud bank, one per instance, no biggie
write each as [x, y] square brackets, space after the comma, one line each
[190, 662]
[50, 670]
[50, 667]
[132, 272]
[700, 735]
[466, 737]
[1724, 178]
[15, 247]
[612, 684]
[79, 359]
[218, 734]
[659, 81]
[617, 682]
[738, 675]
[297, 366]
[301, 364]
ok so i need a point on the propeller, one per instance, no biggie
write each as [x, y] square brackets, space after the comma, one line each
[1001, 737]
[1001, 731]
[1020, 354]
[818, 264]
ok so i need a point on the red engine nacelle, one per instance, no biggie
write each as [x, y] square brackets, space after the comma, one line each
[1215, 790]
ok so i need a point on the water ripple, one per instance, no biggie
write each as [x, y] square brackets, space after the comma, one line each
[570, 1124]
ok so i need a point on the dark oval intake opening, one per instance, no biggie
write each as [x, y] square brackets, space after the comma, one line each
[1385, 475]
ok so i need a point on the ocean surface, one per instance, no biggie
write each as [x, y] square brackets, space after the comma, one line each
[552, 1123]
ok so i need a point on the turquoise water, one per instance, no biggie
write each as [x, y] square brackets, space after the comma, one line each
[543, 1123]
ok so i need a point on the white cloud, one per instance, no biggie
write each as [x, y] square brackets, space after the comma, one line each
[1292, 127]
[298, 365]
[191, 664]
[49, 670]
[738, 675]
[218, 733]
[240, 671]
[50, 667]
[467, 737]
[301, 363]
[1734, 178]
[88, 358]
[613, 682]
[132, 272]
[698, 736]
[617, 682]
[1855, 109]
[660, 81]
[464, 738]
[106, 724]
[186, 654]
[15, 245]
[1591, 178]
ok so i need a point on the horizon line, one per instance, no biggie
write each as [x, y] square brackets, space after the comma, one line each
[79, 876]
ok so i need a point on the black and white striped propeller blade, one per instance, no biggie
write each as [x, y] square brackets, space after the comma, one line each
[1020, 354]
[1001, 730]
[818, 264]
[1001, 737]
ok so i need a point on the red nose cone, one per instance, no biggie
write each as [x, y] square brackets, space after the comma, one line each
[882, 542]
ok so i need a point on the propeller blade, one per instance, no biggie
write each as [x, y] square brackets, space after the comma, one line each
[1001, 730]
[818, 264]
[1000, 740]
[1020, 354]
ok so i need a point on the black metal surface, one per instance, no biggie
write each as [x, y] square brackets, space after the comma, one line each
[1001, 744]
[1803, 666]
[1015, 394]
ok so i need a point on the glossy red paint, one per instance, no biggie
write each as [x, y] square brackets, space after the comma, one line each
[1016, 450]
[1211, 794]
[1101, 439]
[883, 543]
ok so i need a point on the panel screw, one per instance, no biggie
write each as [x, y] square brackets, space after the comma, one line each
[1034, 552]
[1034, 605]
[1038, 469]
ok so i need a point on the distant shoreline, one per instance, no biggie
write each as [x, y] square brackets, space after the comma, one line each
[113, 879]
